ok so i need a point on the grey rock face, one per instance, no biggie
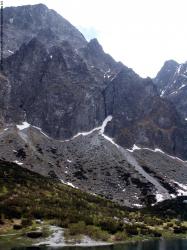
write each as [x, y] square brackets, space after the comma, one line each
[22, 24]
[172, 84]
[141, 117]
[55, 90]
[98, 61]
[5, 89]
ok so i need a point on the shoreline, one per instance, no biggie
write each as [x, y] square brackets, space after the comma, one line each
[56, 238]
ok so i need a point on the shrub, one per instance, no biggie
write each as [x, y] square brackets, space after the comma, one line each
[110, 225]
[77, 228]
[145, 231]
[179, 230]
[17, 227]
[120, 236]
[2, 222]
[131, 230]
[157, 234]
[26, 222]
[97, 233]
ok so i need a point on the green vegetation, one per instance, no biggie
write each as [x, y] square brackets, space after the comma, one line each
[26, 196]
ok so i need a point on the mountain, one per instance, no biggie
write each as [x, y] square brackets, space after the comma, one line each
[23, 23]
[70, 111]
[172, 84]
[94, 164]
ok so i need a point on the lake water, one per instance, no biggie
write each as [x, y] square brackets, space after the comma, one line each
[148, 245]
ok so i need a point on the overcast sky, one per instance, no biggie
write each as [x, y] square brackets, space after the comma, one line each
[143, 34]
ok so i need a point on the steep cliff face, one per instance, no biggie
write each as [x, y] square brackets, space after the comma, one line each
[5, 90]
[141, 117]
[54, 89]
[58, 91]
[23, 23]
[98, 61]
[172, 84]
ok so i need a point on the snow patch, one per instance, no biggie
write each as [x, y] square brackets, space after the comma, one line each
[155, 150]
[134, 148]
[159, 197]
[51, 56]
[174, 92]
[159, 150]
[69, 184]
[11, 20]
[113, 77]
[84, 133]
[10, 51]
[101, 128]
[173, 196]
[110, 140]
[182, 86]
[137, 205]
[182, 191]
[107, 74]
[179, 68]
[69, 161]
[108, 119]
[162, 93]
[24, 125]
[18, 162]
[41, 131]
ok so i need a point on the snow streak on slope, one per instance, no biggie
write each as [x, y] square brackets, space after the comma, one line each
[108, 119]
[24, 125]
[101, 129]
[135, 147]
[161, 191]
[182, 188]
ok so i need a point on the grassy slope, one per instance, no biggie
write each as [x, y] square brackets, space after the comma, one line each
[25, 194]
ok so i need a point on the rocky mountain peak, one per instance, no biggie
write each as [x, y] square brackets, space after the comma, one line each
[25, 22]
[171, 63]
[95, 46]
[172, 84]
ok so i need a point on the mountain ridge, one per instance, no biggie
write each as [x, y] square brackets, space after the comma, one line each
[171, 82]
[66, 87]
